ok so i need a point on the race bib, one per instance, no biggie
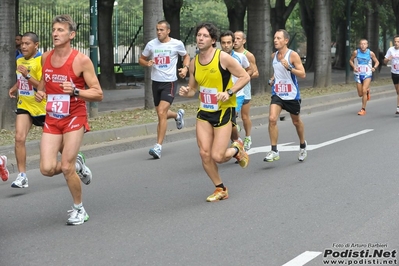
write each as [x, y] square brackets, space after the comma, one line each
[58, 105]
[363, 69]
[282, 86]
[208, 100]
[162, 58]
[24, 88]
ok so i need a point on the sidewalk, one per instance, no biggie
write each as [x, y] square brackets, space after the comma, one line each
[133, 97]
[98, 143]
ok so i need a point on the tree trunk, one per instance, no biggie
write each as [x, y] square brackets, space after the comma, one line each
[7, 67]
[322, 45]
[308, 24]
[260, 44]
[171, 9]
[340, 60]
[152, 13]
[280, 13]
[236, 12]
[373, 30]
[105, 44]
[395, 7]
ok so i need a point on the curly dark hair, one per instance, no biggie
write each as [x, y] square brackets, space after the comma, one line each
[212, 29]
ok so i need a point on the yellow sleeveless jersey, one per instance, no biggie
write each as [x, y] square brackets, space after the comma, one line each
[26, 92]
[212, 78]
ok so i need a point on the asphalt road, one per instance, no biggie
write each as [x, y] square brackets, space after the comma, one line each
[153, 212]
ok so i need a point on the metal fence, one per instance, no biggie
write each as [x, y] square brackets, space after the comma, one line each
[127, 29]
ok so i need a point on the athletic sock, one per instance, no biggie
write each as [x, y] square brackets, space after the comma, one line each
[221, 186]
[274, 148]
[78, 206]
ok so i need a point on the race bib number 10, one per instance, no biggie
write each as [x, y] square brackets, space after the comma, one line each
[208, 99]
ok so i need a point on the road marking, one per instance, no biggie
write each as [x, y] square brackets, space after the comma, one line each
[303, 258]
[309, 147]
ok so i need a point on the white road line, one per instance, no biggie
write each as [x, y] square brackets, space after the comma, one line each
[309, 147]
[303, 258]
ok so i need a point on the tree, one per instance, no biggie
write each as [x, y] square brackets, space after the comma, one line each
[259, 40]
[307, 17]
[395, 7]
[152, 13]
[7, 67]
[171, 10]
[236, 12]
[372, 29]
[280, 13]
[322, 44]
[107, 76]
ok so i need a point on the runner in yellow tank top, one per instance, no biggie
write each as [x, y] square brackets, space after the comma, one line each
[29, 111]
[210, 73]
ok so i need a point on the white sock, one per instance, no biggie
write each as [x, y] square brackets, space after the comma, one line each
[248, 137]
[78, 206]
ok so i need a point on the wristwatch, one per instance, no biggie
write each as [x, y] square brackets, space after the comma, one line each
[289, 68]
[76, 91]
[230, 92]
[28, 76]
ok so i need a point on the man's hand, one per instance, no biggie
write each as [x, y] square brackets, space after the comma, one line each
[183, 72]
[39, 96]
[184, 90]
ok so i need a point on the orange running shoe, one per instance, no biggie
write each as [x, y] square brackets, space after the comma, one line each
[368, 95]
[218, 194]
[242, 156]
[362, 112]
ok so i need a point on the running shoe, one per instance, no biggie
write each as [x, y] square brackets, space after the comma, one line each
[155, 152]
[242, 156]
[82, 170]
[180, 119]
[21, 181]
[247, 143]
[272, 156]
[362, 112]
[4, 174]
[77, 216]
[303, 153]
[218, 194]
[368, 95]
[397, 111]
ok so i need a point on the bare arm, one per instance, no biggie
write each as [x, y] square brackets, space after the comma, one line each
[352, 60]
[299, 70]
[190, 90]
[143, 61]
[232, 65]
[252, 61]
[375, 60]
[184, 70]
[93, 93]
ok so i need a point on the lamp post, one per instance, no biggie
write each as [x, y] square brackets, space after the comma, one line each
[116, 31]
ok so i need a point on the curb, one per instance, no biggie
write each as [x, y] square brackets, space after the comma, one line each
[115, 140]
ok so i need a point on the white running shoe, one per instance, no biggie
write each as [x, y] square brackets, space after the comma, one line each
[272, 156]
[247, 143]
[21, 181]
[156, 151]
[303, 153]
[4, 174]
[77, 216]
[82, 170]
[180, 119]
